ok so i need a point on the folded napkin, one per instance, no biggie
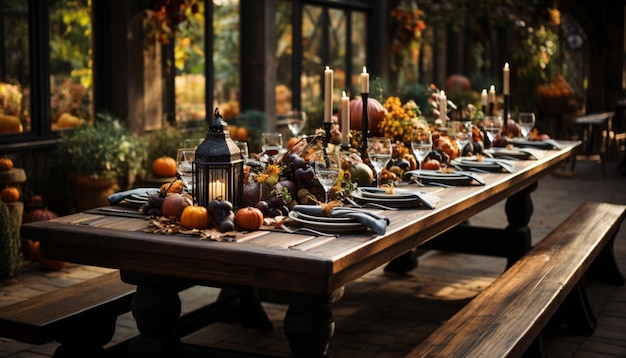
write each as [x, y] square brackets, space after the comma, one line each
[428, 200]
[138, 192]
[487, 163]
[539, 144]
[377, 223]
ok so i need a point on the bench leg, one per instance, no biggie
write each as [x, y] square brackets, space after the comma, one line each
[576, 312]
[86, 337]
[605, 268]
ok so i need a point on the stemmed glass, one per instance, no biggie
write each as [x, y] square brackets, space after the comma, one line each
[526, 122]
[421, 143]
[461, 132]
[296, 121]
[184, 160]
[379, 151]
[271, 144]
[493, 126]
[327, 169]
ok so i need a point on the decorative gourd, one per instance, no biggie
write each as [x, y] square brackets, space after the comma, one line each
[6, 164]
[195, 217]
[164, 167]
[32, 247]
[375, 113]
[249, 218]
[174, 187]
[10, 194]
[174, 204]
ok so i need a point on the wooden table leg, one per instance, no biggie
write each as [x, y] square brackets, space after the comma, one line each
[309, 325]
[156, 310]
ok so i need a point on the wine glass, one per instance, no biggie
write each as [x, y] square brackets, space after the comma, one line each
[184, 160]
[379, 151]
[243, 147]
[296, 121]
[421, 143]
[327, 169]
[461, 132]
[493, 126]
[526, 122]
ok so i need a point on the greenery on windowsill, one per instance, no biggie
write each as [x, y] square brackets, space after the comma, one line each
[103, 150]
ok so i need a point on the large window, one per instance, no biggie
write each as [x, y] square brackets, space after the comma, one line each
[310, 37]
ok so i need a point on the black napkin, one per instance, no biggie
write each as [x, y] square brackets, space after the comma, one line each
[143, 192]
[377, 223]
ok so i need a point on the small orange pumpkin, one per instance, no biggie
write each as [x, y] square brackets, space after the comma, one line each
[195, 217]
[6, 164]
[164, 167]
[10, 194]
[249, 218]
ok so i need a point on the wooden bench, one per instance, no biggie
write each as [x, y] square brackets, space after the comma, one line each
[82, 317]
[507, 318]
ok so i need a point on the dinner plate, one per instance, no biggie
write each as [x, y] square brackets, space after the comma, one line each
[546, 144]
[377, 193]
[521, 154]
[392, 201]
[331, 219]
[327, 226]
[436, 176]
[488, 164]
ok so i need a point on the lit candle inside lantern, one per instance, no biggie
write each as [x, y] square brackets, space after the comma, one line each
[217, 189]
[443, 107]
[365, 81]
[328, 95]
[483, 98]
[345, 119]
[506, 77]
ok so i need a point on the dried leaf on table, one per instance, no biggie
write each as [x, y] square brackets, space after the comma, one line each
[169, 226]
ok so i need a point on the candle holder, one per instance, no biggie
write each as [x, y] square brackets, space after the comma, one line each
[505, 115]
[327, 128]
[365, 125]
[491, 108]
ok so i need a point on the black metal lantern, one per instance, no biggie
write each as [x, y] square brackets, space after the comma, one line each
[218, 166]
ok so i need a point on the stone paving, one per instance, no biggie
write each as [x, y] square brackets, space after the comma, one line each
[382, 316]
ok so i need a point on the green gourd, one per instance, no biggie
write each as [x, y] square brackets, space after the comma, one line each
[10, 246]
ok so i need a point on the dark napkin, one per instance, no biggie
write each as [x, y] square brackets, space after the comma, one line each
[377, 223]
[138, 192]
[546, 144]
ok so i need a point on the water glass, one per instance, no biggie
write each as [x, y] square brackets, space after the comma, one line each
[184, 160]
[379, 152]
[421, 143]
[461, 132]
[526, 121]
[493, 127]
[296, 121]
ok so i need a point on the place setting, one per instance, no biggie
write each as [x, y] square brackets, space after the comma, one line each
[482, 163]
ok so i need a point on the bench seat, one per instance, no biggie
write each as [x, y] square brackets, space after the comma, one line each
[507, 318]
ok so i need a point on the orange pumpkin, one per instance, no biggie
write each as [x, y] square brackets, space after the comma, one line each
[164, 167]
[249, 218]
[6, 164]
[32, 247]
[10, 194]
[195, 217]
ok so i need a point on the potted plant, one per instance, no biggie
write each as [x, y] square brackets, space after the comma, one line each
[99, 159]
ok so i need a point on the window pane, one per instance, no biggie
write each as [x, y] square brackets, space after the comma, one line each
[284, 58]
[226, 57]
[14, 68]
[189, 65]
[312, 66]
[71, 86]
[359, 54]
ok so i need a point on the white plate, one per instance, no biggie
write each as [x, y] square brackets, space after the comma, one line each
[392, 202]
[451, 178]
[299, 220]
[377, 193]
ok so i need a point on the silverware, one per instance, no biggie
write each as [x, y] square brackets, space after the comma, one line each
[305, 229]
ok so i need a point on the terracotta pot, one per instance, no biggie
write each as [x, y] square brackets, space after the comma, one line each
[89, 193]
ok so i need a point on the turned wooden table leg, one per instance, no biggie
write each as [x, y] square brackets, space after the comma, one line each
[519, 209]
[309, 325]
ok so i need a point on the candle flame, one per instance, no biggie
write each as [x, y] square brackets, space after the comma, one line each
[364, 69]
[492, 88]
[506, 65]
[327, 68]
[343, 93]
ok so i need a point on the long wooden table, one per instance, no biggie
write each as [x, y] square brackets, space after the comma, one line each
[307, 272]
